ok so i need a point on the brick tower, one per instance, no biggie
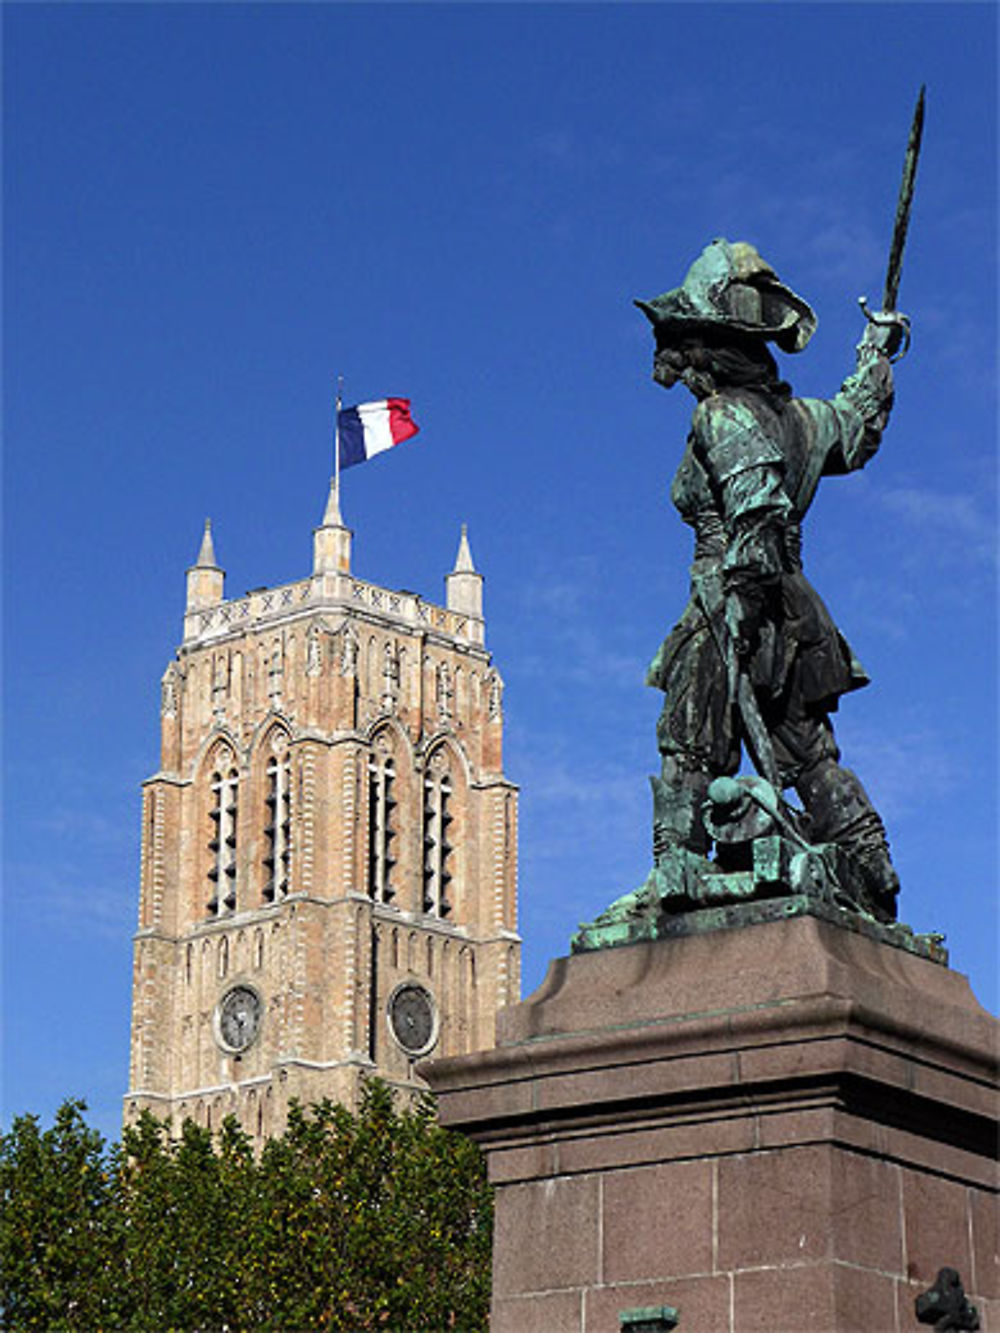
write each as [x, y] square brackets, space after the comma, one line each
[329, 849]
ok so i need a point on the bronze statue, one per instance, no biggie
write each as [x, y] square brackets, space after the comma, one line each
[756, 656]
[755, 661]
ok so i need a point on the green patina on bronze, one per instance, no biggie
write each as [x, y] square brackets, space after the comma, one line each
[649, 1319]
[756, 664]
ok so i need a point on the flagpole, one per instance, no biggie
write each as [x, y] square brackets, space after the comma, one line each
[336, 439]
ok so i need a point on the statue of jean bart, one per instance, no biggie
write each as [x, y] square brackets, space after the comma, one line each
[756, 660]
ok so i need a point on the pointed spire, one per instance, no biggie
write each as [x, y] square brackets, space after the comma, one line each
[464, 585]
[206, 553]
[463, 561]
[205, 578]
[332, 540]
[331, 515]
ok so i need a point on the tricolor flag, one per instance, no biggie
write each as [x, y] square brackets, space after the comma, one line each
[371, 428]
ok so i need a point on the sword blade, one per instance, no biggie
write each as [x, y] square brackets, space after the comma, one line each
[902, 223]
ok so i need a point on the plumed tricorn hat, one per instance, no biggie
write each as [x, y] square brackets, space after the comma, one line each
[729, 286]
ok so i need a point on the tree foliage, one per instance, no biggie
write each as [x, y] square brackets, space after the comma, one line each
[375, 1221]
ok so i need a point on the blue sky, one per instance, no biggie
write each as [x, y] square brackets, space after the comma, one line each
[211, 211]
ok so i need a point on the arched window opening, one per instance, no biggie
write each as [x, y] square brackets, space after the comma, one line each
[188, 960]
[381, 827]
[438, 851]
[223, 957]
[278, 823]
[222, 841]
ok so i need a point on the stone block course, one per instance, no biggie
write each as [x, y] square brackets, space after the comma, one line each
[819, 1194]
[657, 1221]
[548, 1235]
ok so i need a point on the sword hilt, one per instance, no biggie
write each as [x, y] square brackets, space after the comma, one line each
[888, 319]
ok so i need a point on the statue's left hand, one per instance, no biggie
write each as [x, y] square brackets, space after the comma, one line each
[743, 615]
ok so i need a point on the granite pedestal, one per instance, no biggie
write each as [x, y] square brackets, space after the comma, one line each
[788, 1127]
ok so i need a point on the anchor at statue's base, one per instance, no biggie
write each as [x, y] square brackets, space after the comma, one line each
[762, 869]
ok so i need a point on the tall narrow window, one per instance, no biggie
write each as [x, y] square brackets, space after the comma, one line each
[222, 841]
[381, 827]
[437, 844]
[278, 825]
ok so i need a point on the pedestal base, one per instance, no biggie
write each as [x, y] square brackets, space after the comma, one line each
[787, 1127]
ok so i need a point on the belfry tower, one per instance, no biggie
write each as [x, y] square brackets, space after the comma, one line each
[329, 848]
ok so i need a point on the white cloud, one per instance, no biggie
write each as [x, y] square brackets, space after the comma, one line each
[958, 524]
[905, 772]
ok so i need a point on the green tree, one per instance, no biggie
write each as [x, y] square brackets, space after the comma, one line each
[375, 1221]
[60, 1228]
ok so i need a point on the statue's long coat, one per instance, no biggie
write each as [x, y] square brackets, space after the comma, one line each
[748, 476]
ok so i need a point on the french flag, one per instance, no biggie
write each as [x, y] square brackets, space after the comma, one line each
[371, 428]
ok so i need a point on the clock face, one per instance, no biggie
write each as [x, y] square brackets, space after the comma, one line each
[239, 1018]
[411, 1018]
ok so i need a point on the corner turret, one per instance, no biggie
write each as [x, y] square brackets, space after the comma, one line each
[332, 539]
[205, 579]
[464, 586]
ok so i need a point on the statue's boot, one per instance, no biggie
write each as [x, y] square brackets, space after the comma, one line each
[680, 846]
[680, 840]
[841, 813]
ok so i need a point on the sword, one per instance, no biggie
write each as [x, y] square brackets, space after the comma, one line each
[740, 693]
[901, 226]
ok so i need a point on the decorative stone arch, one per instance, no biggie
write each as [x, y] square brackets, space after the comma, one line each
[446, 740]
[493, 683]
[389, 783]
[274, 717]
[290, 669]
[446, 993]
[390, 676]
[348, 649]
[206, 972]
[444, 817]
[444, 693]
[170, 685]
[271, 793]
[236, 682]
[396, 735]
[315, 649]
[465, 999]
[371, 681]
[460, 677]
[209, 753]
[274, 668]
[218, 783]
